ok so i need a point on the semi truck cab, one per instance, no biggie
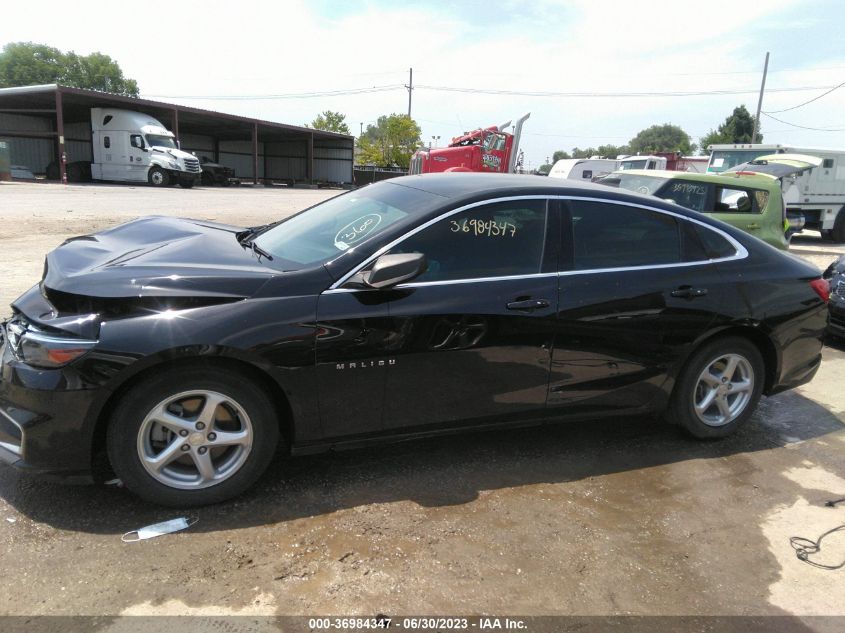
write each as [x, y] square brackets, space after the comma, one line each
[134, 147]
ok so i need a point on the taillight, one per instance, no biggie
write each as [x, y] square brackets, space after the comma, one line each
[822, 288]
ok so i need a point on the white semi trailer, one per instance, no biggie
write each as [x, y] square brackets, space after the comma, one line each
[134, 147]
[817, 195]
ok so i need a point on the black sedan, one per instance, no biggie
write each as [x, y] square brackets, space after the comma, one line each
[193, 353]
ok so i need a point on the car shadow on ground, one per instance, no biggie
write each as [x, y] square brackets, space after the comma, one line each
[444, 471]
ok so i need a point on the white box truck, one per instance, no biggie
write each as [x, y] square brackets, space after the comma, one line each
[134, 147]
[582, 168]
[817, 195]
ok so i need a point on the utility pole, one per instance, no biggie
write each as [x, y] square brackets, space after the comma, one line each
[410, 87]
[760, 100]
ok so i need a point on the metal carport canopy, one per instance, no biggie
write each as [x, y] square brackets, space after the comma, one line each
[64, 105]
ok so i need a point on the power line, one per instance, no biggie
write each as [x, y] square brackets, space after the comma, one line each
[292, 95]
[518, 93]
[801, 105]
[616, 95]
[804, 127]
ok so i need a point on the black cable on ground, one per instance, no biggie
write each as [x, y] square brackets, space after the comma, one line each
[804, 547]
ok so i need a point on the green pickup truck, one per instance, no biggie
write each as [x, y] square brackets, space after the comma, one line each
[752, 202]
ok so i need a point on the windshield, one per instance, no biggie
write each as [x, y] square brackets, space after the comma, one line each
[633, 164]
[494, 141]
[161, 141]
[721, 160]
[321, 233]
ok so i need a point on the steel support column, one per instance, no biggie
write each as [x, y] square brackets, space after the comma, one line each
[60, 131]
[176, 127]
[255, 153]
[309, 159]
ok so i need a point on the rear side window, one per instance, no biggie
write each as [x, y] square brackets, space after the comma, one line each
[729, 200]
[494, 240]
[607, 235]
[692, 195]
[715, 246]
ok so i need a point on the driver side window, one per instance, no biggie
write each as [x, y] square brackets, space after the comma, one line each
[494, 240]
[137, 141]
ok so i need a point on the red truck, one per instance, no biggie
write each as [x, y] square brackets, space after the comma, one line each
[489, 149]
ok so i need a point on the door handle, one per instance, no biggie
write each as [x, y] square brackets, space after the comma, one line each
[528, 304]
[753, 225]
[688, 292]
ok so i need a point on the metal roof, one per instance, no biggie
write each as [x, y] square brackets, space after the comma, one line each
[77, 101]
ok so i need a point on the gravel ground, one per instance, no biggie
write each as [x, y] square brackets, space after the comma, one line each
[602, 518]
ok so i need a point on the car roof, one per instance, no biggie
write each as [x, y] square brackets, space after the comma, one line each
[764, 181]
[461, 188]
[460, 185]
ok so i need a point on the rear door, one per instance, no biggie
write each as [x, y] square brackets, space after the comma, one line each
[636, 291]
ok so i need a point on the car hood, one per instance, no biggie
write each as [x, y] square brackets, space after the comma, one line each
[157, 257]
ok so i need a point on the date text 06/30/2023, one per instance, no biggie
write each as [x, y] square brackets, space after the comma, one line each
[416, 623]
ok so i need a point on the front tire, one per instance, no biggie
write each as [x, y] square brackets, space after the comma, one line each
[192, 437]
[158, 177]
[718, 389]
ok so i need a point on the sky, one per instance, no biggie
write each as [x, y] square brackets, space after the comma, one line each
[258, 58]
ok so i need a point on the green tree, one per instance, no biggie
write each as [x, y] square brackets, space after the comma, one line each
[560, 155]
[330, 121]
[544, 168]
[26, 64]
[661, 138]
[390, 142]
[737, 128]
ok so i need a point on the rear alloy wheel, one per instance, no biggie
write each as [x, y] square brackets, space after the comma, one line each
[158, 177]
[192, 438]
[718, 389]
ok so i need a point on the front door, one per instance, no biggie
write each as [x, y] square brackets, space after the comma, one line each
[473, 335]
[139, 158]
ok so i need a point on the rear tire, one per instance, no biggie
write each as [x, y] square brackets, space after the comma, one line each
[158, 177]
[838, 232]
[192, 436]
[718, 389]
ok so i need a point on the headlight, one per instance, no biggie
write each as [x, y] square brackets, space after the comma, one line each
[173, 164]
[46, 350]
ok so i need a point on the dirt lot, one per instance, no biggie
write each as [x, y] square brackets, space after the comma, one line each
[605, 518]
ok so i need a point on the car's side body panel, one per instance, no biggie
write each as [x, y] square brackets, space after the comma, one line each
[423, 357]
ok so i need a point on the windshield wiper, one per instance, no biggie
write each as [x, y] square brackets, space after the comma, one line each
[256, 249]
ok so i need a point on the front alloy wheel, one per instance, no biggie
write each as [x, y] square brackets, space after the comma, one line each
[194, 439]
[191, 436]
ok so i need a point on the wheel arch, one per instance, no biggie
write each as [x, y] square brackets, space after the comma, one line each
[754, 334]
[259, 375]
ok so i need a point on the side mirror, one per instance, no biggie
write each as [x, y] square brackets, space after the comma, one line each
[390, 270]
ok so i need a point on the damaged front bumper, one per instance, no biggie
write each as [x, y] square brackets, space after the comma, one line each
[43, 414]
